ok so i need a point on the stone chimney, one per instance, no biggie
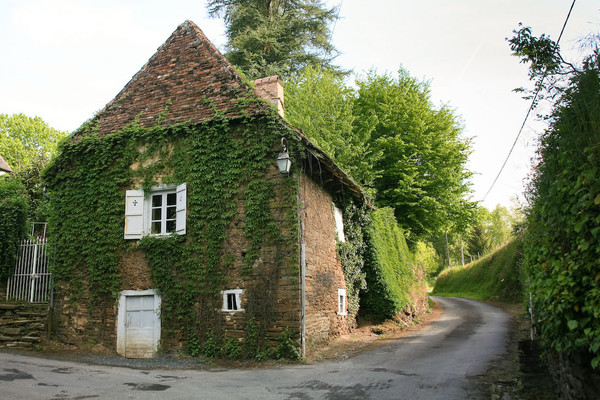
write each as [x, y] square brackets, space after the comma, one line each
[271, 89]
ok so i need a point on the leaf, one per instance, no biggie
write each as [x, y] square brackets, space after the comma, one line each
[572, 324]
[597, 199]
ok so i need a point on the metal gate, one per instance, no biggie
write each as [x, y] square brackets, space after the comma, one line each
[31, 280]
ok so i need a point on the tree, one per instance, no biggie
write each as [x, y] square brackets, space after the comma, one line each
[25, 140]
[320, 103]
[500, 229]
[423, 156]
[276, 37]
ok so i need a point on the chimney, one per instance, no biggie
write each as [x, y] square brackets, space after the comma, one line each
[271, 89]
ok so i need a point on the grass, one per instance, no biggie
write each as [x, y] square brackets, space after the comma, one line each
[494, 277]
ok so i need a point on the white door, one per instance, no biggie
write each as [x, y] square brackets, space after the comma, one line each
[138, 330]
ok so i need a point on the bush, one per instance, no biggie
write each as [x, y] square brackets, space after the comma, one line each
[14, 207]
[389, 268]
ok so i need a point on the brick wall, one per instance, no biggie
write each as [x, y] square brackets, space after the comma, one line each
[324, 273]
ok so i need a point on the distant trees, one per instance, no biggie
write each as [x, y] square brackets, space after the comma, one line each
[276, 37]
[25, 141]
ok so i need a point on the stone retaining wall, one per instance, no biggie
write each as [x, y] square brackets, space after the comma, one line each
[22, 325]
[574, 377]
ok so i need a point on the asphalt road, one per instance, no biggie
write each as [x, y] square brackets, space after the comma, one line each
[432, 363]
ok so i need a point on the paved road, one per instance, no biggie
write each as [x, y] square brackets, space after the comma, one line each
[433, 363]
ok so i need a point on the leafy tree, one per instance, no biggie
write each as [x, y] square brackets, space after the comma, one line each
[500, 229]
[562, 242]
[25, 140]
[423, 156]
[320, 103]
[276, 37]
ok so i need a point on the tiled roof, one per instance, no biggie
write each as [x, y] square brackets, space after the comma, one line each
[4, 165]
[187, 73]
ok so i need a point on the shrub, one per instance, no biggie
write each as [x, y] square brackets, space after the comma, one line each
[390, 272]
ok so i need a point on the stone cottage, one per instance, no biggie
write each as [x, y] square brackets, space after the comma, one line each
[174, 227]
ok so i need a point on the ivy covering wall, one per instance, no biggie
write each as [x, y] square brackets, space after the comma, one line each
[389, 267]
[223, 163]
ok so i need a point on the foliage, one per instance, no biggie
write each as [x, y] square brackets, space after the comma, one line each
[275, 37]
[423, 162]
[389, 268]
[319, 102]
[494, 277]
[562, 245]
[351, 254]
[287, 347]
[224, 165]
[13, 217]
[24, 140]
[427, 258]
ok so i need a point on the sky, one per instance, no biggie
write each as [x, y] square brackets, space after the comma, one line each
[63, 60]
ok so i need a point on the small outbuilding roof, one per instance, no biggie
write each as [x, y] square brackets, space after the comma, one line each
[4, 166]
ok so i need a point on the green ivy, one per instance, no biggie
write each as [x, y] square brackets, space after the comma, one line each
[351, 253]
[224, 165]
[390, 272]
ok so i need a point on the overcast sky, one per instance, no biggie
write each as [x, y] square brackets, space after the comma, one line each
[63, 60]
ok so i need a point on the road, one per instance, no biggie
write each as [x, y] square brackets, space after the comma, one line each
[432, 363]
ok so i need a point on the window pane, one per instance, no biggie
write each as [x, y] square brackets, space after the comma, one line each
[171, 199]
[156, 227]
[157, 200]
[171, 226]
[231, 303]
[171, 212]
[156, 214]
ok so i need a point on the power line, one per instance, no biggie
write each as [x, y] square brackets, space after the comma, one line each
[531, 106]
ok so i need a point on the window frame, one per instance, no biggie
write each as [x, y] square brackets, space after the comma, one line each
[342, 300]
[238, 299]
[138, 211]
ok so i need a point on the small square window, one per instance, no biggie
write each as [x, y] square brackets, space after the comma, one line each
[342, 302]
[232, 300]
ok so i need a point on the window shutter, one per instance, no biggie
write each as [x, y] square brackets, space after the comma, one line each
[339, 223]
[181, 209]
[134, 214]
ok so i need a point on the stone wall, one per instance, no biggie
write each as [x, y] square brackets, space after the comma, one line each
[22, 325]
[574, 377]
[271, 291]
[324, 273]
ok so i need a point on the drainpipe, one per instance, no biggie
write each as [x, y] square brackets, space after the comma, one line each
[302, 273]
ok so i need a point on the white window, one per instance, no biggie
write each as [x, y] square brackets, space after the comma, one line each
[339, 223]
[232, 300]
[341, 302]
[162, 212]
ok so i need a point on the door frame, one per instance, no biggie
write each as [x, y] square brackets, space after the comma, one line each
[122, 316]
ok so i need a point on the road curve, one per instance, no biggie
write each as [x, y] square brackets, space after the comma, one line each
[433, 363]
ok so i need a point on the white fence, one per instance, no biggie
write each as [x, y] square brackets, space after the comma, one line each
[31, 280]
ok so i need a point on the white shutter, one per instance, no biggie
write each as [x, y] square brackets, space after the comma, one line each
[134, 214]
[339, 223]
[181, 209]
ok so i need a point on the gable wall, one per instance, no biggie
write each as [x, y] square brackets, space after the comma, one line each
[324, 273]
[271, 291]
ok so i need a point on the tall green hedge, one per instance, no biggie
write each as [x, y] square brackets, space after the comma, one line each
[388, 265]
[562, 246]
[14, 206]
